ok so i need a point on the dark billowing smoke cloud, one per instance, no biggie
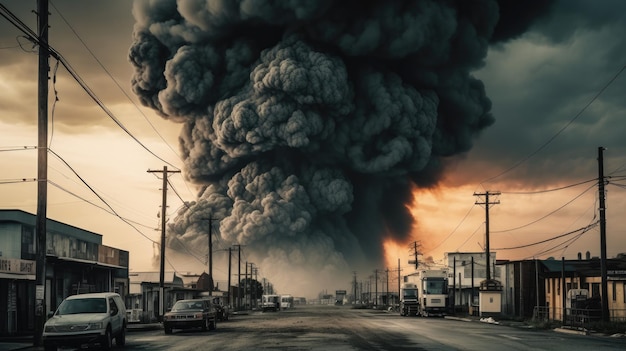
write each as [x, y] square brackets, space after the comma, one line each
[308, 122]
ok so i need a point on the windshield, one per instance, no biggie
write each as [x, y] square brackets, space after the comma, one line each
[92, 305]
[438, 286]
[410, 293]
[187, 305]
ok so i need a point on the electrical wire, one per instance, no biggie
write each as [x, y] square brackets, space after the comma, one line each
[19, 180]
[455, 229]
[34, 38]
[583, 229]
[547, 190]
[17, 148]
[471, 236]
[545, 216]
[58, 186]
[113, 79]
[551, 139]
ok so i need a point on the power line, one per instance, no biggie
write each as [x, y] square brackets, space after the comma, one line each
[584, 229]
[549, 190]
[17, 180]
[34, 38]
[574, 118]
[545, 216]
[455, 229]
[113, 79]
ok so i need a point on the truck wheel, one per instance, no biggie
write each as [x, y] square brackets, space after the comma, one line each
[213, 325]
[167, 328]
[107, 342]
[120, 340]
[205, 325]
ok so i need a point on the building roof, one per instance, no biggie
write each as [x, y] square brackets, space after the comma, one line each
[19, 216]
[169, 278]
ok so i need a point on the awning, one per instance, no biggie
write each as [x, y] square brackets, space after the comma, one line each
[90, 262]
[17, 276]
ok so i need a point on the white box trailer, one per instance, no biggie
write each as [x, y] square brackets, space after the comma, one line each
[425, 293]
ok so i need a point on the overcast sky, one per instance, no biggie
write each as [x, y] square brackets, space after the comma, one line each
[556, 93]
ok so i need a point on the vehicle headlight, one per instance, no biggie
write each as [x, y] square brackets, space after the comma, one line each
[48, 329]
[97, 325]
[198, 315]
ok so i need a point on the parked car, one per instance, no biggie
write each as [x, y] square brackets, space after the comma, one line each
[194, 313]
[85, 320]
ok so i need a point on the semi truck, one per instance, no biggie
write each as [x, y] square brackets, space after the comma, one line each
[425, 293]
[408, 299]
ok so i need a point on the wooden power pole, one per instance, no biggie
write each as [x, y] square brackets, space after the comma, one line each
[487, 204]
[42, 171]
[602, 210]
[163, 221]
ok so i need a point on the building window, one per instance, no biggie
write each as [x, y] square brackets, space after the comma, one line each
[548, 287]
[595, 290]
[624, 292]
[28, 243]
[614, 291]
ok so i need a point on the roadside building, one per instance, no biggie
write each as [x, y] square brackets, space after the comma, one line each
[577, 284]
[143, 298]
[466, 270]
[523, 287]
[76, 262]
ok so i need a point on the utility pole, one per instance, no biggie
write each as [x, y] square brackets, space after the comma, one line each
[603, 269]
[256, 279]
[210, 258]
[163, 221]
[487, 203]
[42, 170]
[387, 276]
[230, 254]
[399, 282]
[238, 277]
[376, 291]
[414, 250]
[245, 289]
[354, 285]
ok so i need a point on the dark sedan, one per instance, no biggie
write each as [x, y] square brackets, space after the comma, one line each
[186, 314]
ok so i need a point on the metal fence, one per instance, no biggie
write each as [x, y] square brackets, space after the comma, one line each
[577, 317]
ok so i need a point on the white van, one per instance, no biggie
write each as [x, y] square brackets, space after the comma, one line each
[87, 319]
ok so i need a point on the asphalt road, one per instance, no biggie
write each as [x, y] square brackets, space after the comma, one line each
[344, 328]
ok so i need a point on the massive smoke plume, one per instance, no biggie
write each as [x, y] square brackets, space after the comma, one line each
[307, 122]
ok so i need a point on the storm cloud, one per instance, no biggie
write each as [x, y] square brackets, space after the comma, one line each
[307, 123]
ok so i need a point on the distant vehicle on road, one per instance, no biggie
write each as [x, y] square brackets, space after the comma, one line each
[286, 302]
[270, 303]
[85, 320]
[194, 313]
